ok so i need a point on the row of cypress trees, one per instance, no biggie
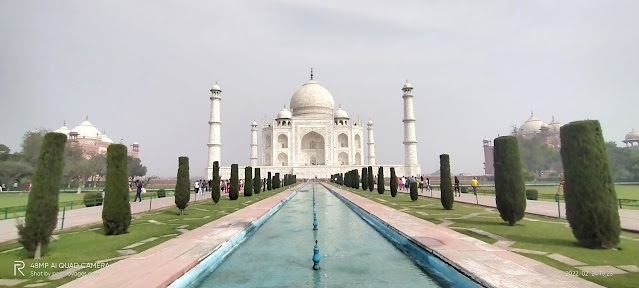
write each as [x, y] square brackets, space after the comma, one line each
[351, 179]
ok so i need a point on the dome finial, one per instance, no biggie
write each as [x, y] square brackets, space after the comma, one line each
[87, 118]
[531, 113]
[64, 123]
[311, 73]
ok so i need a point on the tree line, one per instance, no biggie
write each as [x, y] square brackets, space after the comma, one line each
[18, 167]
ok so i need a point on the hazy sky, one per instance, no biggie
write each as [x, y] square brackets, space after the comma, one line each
[142, 70]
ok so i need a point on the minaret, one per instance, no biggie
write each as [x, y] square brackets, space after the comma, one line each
[253, 144]
[215, 125]
[410, 141]
[371, 144]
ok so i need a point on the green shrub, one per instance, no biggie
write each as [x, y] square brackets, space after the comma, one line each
[364, 179]
[446, 184]
[532, 194]
[92, 199]
[41, 216]
[464, 189]
[269, 183]
[161, 193]
[591, 200]
[510, 187]
[215, 185]
[116, 211]
[380, 180]
[371, 181]
[248, 181]
[276, 179]
[356, 179]
[234, 191]
[257, 181]
[393, 182]
[413, 191]
[183, 184]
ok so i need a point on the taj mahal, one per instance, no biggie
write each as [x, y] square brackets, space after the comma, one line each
[313, 139]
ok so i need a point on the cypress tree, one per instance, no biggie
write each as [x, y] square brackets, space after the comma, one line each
[269, 184]
[248, 181]
[215, 186]
[371, 182]
[256, 182]
[234, 191]
[264, 185]
[364, 179]
[276, 180]
[380, 181]
[116, 212]
[413, 191]
[183, 185]
[589, 192]
[393, 182]
[356, 179]
[510, 188]
[446, 185]
[41, 216]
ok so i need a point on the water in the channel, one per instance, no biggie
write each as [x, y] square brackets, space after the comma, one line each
[352, 253]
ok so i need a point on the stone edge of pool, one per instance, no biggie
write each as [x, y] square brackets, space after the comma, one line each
[489, 265]
[161, 265]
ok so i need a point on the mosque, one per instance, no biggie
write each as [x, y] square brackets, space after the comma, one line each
[91, 141]
[313, 139]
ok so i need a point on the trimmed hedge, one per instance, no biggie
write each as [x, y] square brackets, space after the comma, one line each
[413, 191]
[161, 193]
[364, 179]
[116, 211]
[248, 181]
[257, 182]
[591, 200]
[183, 184]
[269, 183]
[393, 182]
[532, 194]
[234, 191]
[446, 184]
[41, 215]
[510, 187]
[371, 181]
[92, 199]
[380, 180]
[215, 185]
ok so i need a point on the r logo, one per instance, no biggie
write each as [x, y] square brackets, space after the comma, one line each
[17, 266]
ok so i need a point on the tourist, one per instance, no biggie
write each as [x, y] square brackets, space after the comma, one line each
[196, 187]
[474, 183]
[139, 190]
[421, 184]
[428, 184]
[457, 191]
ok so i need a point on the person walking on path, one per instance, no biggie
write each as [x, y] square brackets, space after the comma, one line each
[196, 187]
[474, 184]
[428, 185]
[138, 192]
[457, 191]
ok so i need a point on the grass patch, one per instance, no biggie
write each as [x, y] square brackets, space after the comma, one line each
[87, 245]
[533, 233]
[476, 236]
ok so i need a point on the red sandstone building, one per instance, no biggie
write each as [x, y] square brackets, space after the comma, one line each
[91, 141]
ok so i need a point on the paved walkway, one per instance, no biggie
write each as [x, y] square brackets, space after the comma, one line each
[629, 218]
[91, 215]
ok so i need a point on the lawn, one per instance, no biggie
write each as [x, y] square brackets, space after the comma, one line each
[89, 244]
[533, 233]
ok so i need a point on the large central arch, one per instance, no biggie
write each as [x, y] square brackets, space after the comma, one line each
[313, 149]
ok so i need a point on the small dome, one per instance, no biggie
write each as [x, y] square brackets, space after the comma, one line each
[312, 99]
[485, 139]
[284, 114]
[106, 139]
[135, 144]
[632, 136]
[531, 126]
[254, 123]
[554, 125]
[370, 122]
[64, 130]
[544, 126]
[340, 113]
[407, 85]
[87, 130]
[216, 88]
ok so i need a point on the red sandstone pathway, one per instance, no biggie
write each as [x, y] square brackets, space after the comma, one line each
[629, 218]
[91, 215]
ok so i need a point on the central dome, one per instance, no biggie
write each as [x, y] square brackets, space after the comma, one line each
[312, 100]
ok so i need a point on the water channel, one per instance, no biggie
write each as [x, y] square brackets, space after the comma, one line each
[352, 253]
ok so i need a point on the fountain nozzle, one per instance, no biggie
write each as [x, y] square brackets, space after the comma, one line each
[316, 257]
